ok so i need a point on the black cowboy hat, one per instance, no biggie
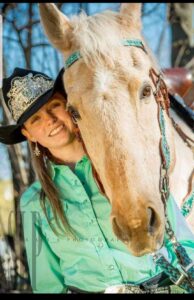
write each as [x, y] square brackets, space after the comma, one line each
[24, 93]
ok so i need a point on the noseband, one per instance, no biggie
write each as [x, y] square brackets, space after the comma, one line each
[184, 276]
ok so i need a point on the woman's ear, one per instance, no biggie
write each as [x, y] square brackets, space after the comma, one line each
[25, 132]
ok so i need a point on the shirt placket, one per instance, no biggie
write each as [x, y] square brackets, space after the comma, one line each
[94, 231]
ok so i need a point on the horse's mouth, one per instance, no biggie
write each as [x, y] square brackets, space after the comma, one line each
[150, 248]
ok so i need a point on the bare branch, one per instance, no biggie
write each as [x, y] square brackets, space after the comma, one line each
[151, 10]
[180, 55]
[29, 25]
[41, 45]
[6, 7]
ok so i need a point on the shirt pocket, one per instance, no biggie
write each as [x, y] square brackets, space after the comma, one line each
[74, 211]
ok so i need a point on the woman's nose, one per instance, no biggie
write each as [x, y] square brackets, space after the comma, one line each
[50, 118]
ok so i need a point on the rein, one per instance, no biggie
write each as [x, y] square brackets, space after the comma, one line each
[183, 276]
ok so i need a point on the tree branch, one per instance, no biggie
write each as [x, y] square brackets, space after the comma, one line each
[29, 25]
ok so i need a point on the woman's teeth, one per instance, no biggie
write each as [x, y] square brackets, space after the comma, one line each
[56, 130]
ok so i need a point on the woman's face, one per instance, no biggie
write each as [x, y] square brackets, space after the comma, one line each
[51, 126]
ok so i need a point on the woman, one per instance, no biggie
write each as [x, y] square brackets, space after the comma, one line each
[69, 240]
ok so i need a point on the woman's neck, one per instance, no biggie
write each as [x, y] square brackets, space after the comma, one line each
[69, 155]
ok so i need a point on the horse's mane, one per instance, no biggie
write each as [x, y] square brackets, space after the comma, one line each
[89, 34]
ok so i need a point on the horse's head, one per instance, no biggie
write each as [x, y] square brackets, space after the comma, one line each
[110, 87]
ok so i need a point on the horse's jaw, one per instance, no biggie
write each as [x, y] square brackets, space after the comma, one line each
[149, 249]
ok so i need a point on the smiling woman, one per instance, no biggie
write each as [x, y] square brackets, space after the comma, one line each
[38, 105]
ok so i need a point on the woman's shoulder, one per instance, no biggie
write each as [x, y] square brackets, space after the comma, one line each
[31, 196]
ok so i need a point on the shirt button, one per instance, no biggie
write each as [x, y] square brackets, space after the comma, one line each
[76, 182]
[100, 245]
[90, 222]
[111, 267]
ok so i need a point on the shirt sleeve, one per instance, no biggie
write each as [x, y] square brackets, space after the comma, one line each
[43, 264]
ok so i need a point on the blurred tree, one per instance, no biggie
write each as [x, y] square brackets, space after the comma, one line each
[181, 16]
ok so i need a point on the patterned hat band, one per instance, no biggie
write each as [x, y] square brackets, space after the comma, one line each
[25, 91]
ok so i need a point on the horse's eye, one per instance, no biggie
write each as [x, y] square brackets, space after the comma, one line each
[74, 113]
[146, 92]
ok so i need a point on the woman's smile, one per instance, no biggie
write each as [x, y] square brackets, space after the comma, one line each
[57, 130]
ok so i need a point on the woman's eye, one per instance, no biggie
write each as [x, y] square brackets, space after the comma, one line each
[35, 119]
[54, 105]
[146, 92]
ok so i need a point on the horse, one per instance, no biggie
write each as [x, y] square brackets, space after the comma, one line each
[115, 92]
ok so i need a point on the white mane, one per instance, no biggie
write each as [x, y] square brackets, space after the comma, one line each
[89, 36]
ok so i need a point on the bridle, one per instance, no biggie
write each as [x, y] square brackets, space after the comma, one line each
[184, 277]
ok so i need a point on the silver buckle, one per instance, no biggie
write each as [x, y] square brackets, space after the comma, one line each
[133, 289]
[184, 274]
[180, 279]
[123, 289]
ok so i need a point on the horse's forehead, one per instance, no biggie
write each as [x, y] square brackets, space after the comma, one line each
[101, 77]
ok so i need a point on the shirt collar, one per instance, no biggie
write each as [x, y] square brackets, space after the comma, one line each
[53, 166]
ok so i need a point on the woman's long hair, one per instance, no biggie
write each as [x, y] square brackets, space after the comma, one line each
[49, 193]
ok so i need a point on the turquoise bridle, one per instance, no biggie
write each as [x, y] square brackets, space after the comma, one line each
[76, 55]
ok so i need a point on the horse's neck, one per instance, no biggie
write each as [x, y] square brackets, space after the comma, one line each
[180, 178]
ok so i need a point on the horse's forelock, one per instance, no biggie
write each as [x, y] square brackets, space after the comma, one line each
[97, 37]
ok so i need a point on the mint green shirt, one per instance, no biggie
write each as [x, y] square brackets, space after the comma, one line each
[96, 259]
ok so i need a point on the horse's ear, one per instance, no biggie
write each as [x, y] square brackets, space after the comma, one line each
[56, 25]
[132, 12]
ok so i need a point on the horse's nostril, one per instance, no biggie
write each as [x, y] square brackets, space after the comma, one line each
[151, 220]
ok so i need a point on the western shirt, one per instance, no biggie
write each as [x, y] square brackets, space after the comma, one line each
[95, 259]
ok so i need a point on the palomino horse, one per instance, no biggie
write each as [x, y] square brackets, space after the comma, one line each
[112, 86]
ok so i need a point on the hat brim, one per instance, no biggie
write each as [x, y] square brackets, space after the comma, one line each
[11, 134]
